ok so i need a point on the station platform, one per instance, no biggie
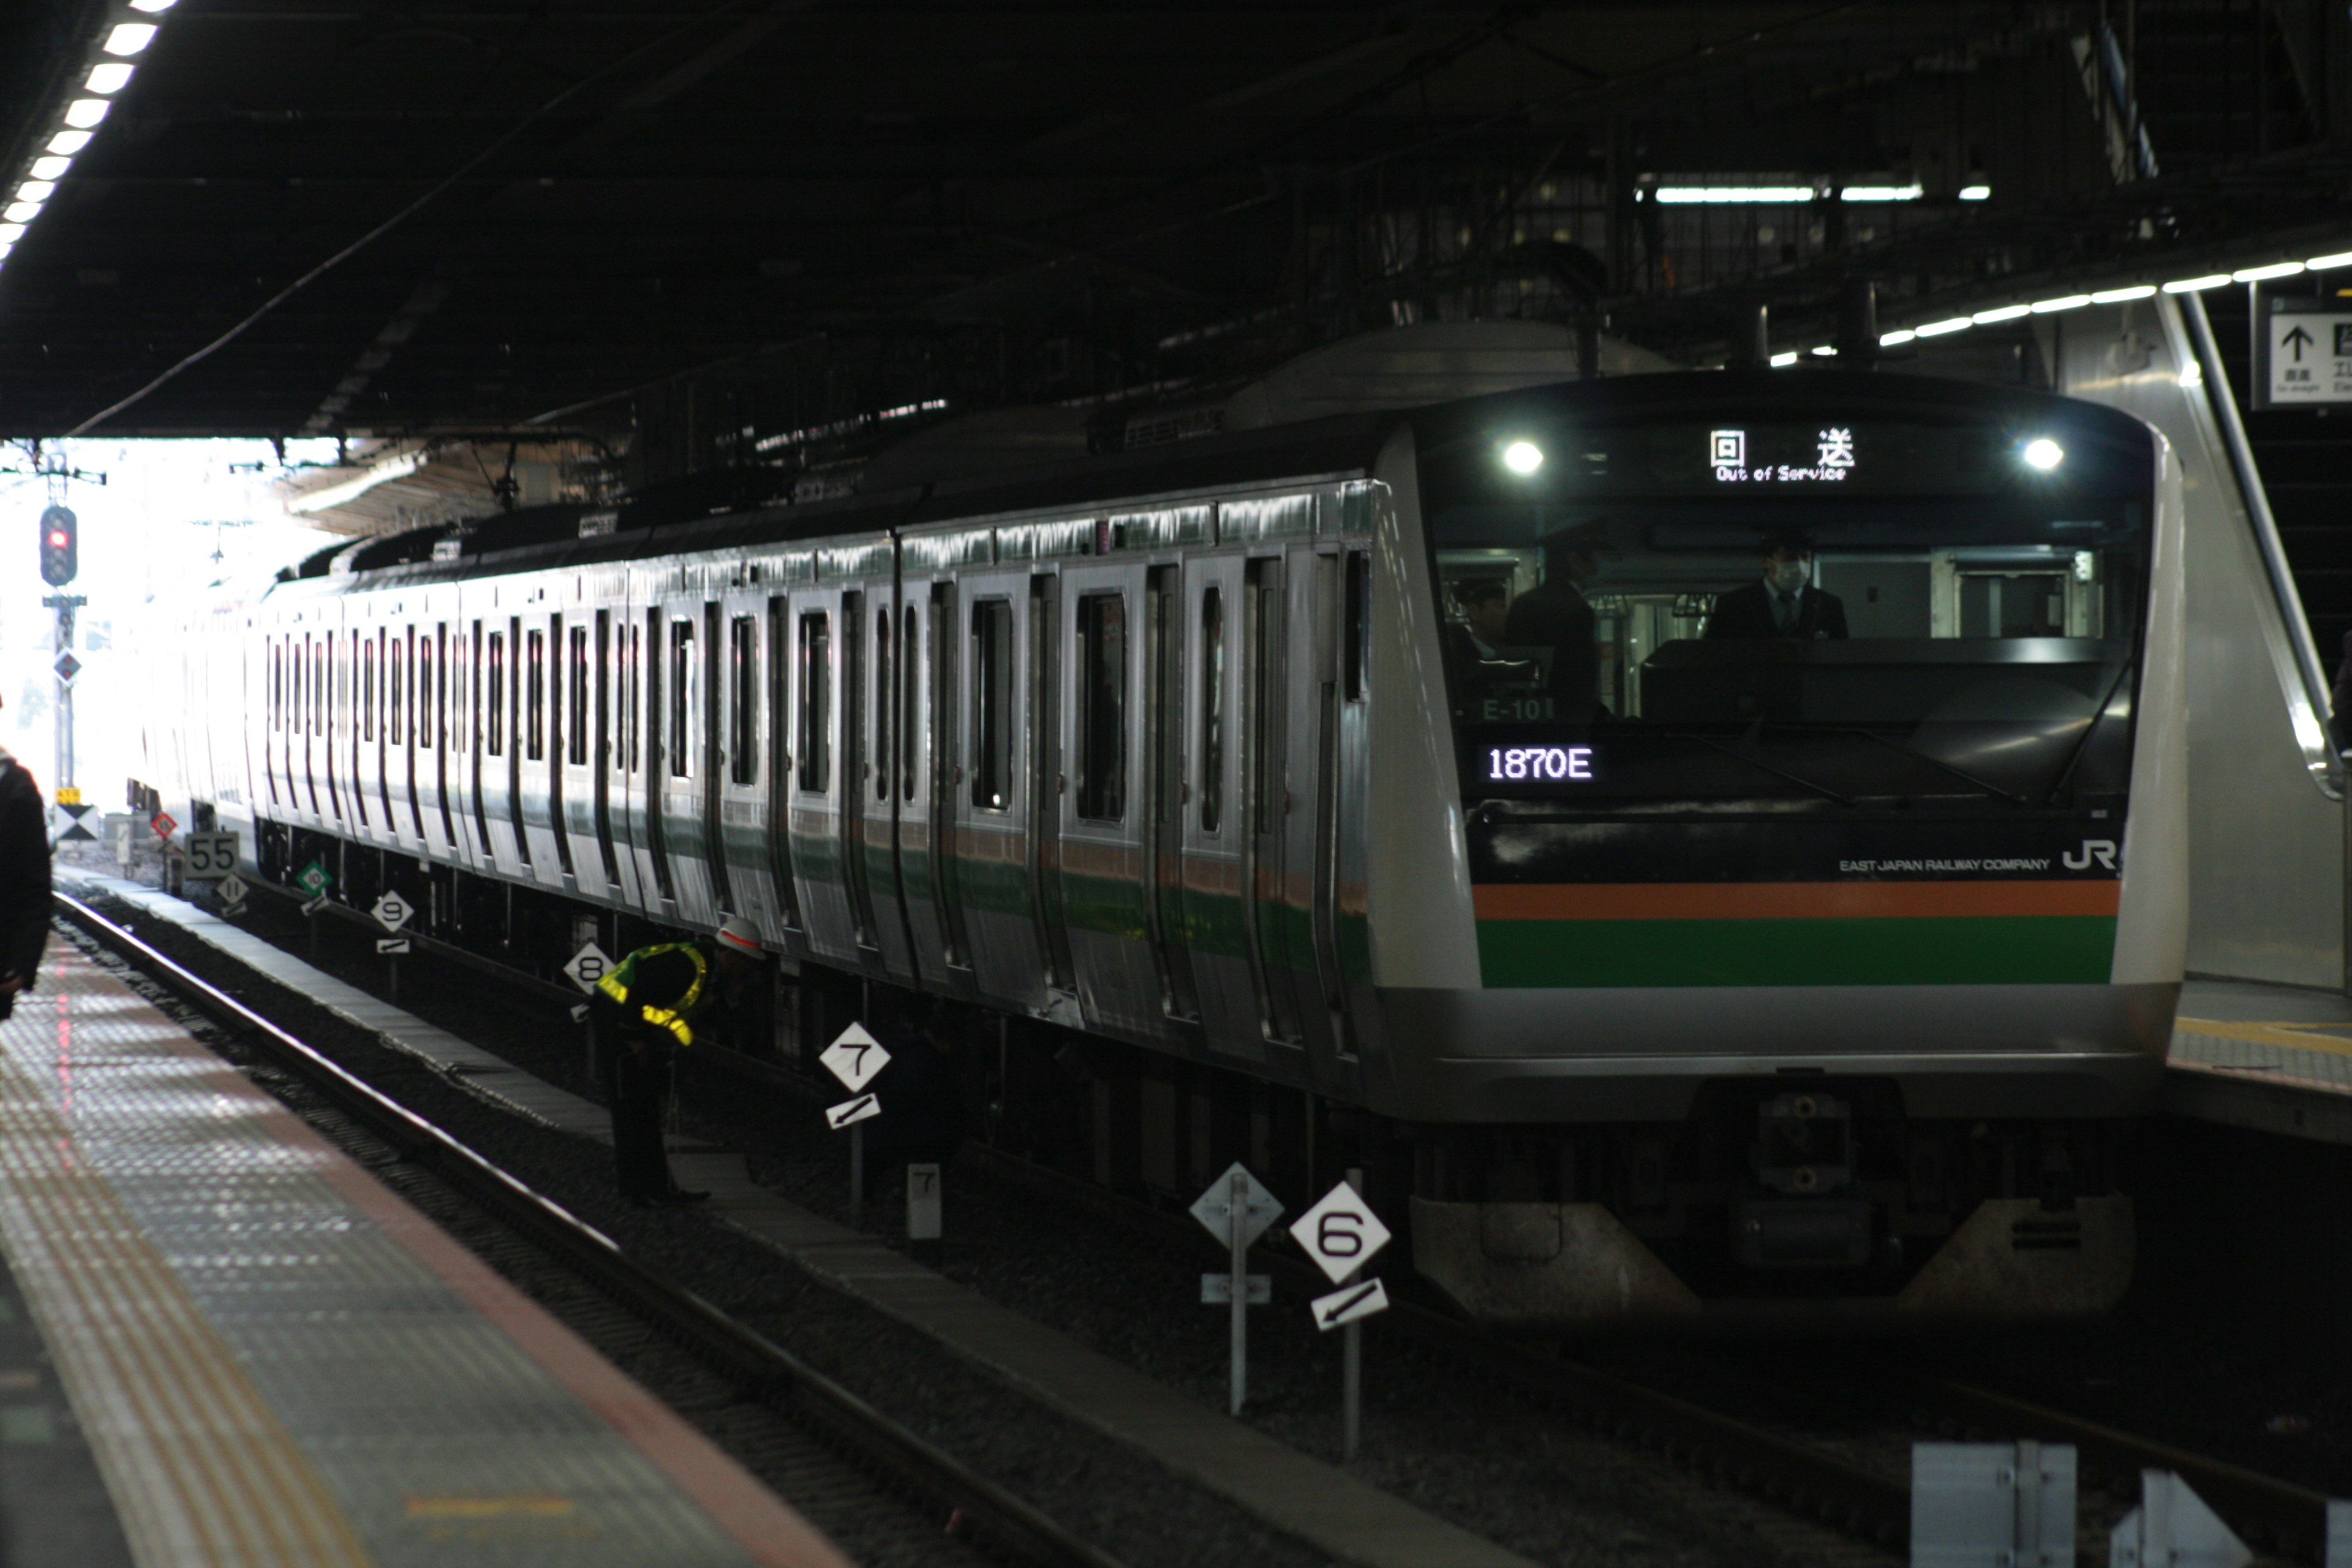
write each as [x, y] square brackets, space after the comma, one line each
[2274, 1058]
[270, 1359]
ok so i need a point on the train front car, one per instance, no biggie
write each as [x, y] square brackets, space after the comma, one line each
[1810, 747]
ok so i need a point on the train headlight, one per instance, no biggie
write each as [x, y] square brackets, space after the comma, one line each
[1523, 458]
[2043, 453]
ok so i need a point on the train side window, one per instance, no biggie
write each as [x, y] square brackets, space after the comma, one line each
[742, 699]
[277, 684]
[395, 691]
[575, 734]
[910, 671]
[426, 728]
[1357, 622]
[682, 673]
[991, 696]
[535, 697]
[1212, 708]
[318, 687]
[816, 702]
[1102, 706]
[883, 706]
[494, 708]
[367, 690]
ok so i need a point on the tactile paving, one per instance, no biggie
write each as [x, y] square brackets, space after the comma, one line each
[278, 1362]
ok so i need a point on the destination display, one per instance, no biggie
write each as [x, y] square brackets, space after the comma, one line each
[1536, 764]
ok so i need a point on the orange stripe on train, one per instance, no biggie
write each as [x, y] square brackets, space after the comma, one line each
[1787, 900]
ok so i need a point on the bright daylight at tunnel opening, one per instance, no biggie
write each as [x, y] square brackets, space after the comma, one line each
[1101, 785]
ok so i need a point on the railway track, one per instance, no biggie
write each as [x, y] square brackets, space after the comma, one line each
[1854, 1499]
[903, 1466]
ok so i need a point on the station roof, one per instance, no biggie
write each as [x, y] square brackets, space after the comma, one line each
[504, 218]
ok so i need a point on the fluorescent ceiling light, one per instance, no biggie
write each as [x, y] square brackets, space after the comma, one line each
[1881, 193]
[69, 142]
[2196, 285]
[2000, 313]
[129, 38]
[86, 112]
[21, 212]
[1975, 193]
[1783, 359]
[1692, 194]
[50, 168]
[2117, 296]
[10, 232]
[2326, 263]
[152, 5]
[2261, 274]
[1901, 335]
[109, 78]
[37, 191]
[2063, 302]
[1937, 329]
[1824, 351]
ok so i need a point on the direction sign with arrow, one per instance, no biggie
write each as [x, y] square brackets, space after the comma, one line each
[2302, 353]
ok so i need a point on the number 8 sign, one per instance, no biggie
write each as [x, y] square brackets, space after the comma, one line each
[1341, 1233]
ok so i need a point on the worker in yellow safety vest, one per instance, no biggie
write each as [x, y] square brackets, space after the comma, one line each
[648, 1007]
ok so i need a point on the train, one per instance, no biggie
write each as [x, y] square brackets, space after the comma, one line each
[1395, 789]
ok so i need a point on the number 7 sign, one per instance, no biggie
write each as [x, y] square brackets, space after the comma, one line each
[854, 1058]
[1341, 1233]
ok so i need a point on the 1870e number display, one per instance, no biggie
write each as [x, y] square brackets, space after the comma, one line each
[1538, 764]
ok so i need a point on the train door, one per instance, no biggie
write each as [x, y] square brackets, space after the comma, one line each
[818, 855]
[994, 881]
[582, 804]
[276, 749]
[624, 756]
[1216, 826]
[498, 770]
[538, 725]
[400, 737]
[367, 757]
[678, 783]
[650, 633]
[917, 848]
[850, 824]
[876, 796]
[1049, 781]
[1099, 838]
[1275, 640]
[943, 639]
[1163, 795]
[776, 717]
[1344, 934]
[740, 780]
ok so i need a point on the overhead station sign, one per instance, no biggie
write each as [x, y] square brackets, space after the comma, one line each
[2305, 347]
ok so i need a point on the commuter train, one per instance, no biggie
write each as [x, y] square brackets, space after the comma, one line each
[1660, 975]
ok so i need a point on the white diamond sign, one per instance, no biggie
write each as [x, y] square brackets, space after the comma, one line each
[1341, 1233]
[392, 911]
[1260, 1208]
[854, 1058]
[232, 889]
[588, 966]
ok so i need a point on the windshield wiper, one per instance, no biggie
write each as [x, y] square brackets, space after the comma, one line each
[2074, 753]
[1755, 761]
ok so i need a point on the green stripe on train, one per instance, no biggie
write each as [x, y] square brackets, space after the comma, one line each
[2006, 950]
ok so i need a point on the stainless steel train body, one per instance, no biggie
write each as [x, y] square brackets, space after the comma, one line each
[1663, 978]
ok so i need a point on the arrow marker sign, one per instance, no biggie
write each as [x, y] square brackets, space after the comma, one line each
[1344, 1306]
[849, 1110]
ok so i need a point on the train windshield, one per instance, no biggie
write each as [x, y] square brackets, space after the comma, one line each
[1828, 613]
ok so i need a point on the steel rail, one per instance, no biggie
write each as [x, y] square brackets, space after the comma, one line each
[997, 1520]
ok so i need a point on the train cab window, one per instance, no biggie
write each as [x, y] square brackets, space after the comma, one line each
[815, 744]
[1102, 706]
[682, 687]
[1212, 708]
[494, 707]
[991, 699]
[742, 699]
[575, 713]
[910, 730]
[534, 674]
[882, 707]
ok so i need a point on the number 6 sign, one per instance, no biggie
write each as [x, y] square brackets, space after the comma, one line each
[1341, 1233]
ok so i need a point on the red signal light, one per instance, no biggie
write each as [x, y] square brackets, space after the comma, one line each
[58, 538]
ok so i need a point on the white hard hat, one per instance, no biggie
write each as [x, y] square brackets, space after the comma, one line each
[741, 934]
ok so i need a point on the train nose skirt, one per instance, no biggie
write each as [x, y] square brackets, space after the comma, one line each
[1802, 1234]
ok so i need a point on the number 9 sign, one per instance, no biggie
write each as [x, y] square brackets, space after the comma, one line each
[1341, 1233]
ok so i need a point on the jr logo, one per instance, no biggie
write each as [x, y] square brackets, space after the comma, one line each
[2095, 852]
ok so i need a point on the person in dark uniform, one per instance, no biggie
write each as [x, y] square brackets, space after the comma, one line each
[1782, 604]
[647, 1009]
[1557, 615]
[23, 881]
[923, 1117]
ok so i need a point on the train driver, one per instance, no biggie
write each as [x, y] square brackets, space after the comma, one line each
[1782, 602]
[1558, 616]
